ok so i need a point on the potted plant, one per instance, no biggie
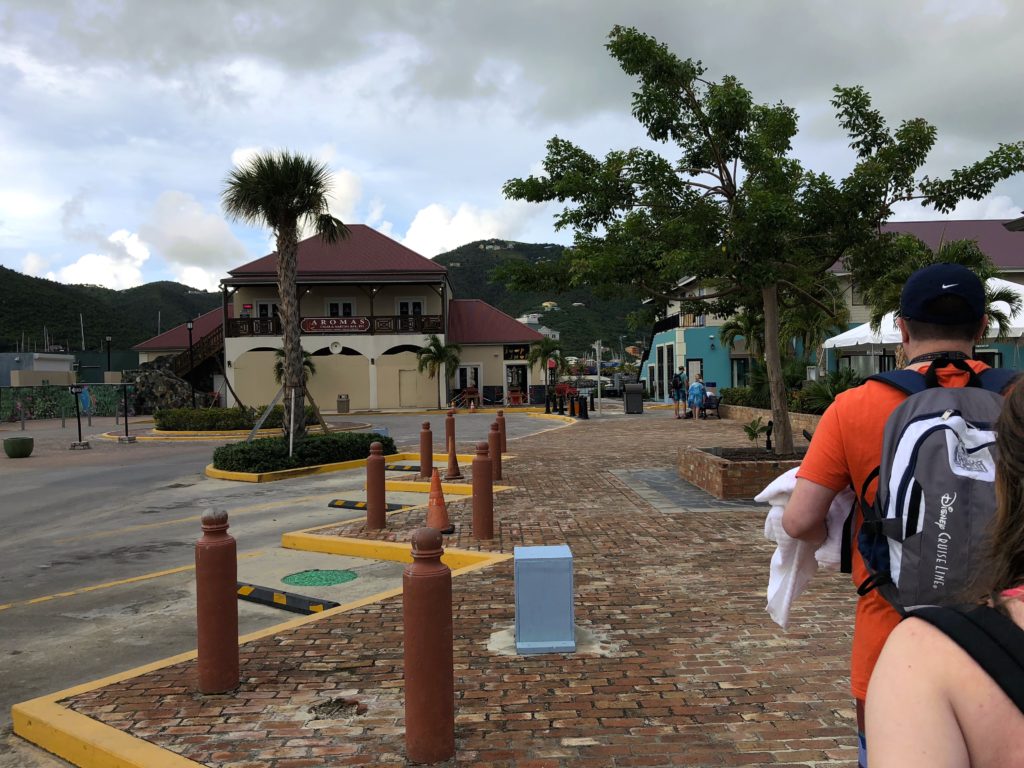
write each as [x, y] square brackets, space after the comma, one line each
[18, 447]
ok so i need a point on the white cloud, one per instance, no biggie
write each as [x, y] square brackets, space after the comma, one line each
[120, 267]
[35, 265]
[435, 229]
[182, 231]
[241, 155]
[991, 207]
[199, 278]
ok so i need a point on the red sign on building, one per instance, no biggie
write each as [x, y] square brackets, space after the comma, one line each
[335, 324]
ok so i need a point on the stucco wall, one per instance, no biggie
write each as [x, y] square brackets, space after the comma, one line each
[314, 302]
[391, 392]
[335, 374]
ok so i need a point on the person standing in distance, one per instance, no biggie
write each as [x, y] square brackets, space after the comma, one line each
[679, 389]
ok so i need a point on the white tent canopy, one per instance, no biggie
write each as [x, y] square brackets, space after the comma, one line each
[889, 334]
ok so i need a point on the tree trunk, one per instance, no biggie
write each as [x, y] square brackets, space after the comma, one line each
[782, 432]
[287, 247]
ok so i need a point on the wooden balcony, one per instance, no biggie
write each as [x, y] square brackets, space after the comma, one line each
[679, 321]
[334, 326]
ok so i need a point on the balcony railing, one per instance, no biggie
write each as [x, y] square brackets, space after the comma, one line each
[679, 321]
[376, 324]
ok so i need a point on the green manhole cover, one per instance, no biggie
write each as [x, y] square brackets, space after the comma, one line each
[318, 578]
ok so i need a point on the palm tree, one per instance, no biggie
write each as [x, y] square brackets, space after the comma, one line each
[811, 324]
[282, 191]
[308, 366]
[884, 295]
[438, 356]
[746, 324]
[542, 351]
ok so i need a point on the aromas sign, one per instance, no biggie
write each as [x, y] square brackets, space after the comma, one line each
[335, 324]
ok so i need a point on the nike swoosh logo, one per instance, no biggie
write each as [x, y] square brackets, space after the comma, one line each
[951, 285]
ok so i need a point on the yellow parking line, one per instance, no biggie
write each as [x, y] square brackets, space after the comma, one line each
[119, 582]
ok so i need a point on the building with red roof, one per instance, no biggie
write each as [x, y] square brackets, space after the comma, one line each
[367, 305]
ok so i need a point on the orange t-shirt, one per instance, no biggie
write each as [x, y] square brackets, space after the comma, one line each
[847, 446]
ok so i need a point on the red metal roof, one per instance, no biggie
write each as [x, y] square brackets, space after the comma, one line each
[1003, 246]
[177, 338]
[472, 321]
[364, 253]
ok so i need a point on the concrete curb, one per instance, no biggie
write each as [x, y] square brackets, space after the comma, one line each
[318, 469]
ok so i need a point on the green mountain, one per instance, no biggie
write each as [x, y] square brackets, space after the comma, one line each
[28, 305]
[581, 317]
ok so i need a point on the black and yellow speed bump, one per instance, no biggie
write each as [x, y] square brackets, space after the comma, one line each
[286, 601]
[402, 467]
[346, 504]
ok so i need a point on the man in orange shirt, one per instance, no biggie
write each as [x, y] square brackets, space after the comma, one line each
[942, 314]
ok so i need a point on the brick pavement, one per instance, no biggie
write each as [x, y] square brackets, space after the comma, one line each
[697, 674]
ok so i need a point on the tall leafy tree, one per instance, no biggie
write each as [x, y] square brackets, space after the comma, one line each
[733, 210]
[436, 357]
[285, 191]
[542, 351]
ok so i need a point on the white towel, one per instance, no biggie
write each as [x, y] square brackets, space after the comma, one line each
[794, 562]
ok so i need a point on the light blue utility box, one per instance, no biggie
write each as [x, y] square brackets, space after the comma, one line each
[544, 600]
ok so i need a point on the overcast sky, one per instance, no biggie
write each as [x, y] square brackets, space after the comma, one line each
[120, 119]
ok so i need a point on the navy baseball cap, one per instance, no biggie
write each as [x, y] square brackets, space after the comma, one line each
[936, 281]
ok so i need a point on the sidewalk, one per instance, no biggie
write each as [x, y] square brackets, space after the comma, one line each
[689, 670]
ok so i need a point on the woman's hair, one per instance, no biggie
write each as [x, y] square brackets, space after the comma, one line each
[1006, 554]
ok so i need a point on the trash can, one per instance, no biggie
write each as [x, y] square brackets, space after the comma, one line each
[342, 403]
[634, 398]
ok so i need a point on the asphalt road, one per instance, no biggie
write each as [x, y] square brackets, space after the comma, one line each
[98, 545]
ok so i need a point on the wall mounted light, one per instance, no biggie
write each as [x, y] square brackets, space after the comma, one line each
[712, 337]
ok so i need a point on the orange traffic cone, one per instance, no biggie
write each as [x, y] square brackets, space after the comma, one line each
[472, 406]
[437, 510]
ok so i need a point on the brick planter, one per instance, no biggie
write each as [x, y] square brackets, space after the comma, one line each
[727, 478]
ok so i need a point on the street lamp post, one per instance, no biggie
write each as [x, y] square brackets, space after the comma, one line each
[191, 364]
[108, 354]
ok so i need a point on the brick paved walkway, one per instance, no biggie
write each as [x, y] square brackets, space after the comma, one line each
[697, 674]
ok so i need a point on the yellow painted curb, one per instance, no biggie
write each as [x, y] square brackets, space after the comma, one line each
[553, 417]
[417, 486]
[319, 469]
[286, 474]
[399, 552]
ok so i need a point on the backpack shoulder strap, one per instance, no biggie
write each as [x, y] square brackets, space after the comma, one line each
[997, 380]
[905, 380]
[993, 640]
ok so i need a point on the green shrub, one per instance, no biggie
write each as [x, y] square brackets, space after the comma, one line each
[816, 396]
[270, 454]
[217, 419]
[735, 396]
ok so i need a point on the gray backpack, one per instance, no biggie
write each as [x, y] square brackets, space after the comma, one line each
[926, 532]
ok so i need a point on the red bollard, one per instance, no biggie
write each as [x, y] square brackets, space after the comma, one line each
[376, 508]
[426, 451]
[449, 428]
[429, 648]
[217, 605]
[494, 451]
[483, 494]
[501, 428]
[453, 472]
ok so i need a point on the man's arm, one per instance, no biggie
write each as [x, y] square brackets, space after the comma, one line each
[805, 514]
